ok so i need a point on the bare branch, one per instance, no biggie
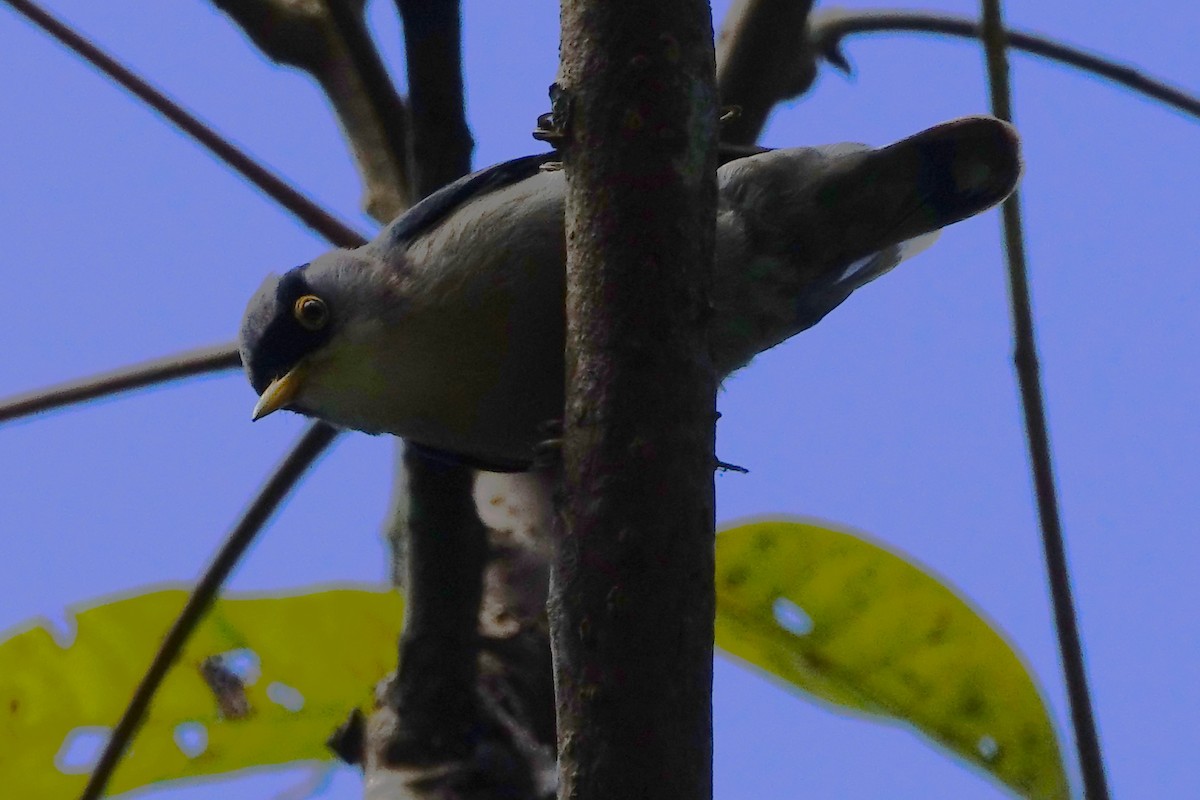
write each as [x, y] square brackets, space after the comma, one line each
[829, 28]
[1037, 433]
[441, 141]
[315, 440]
[763, 57]
[329, 40]
[433, 693]
[458, 721]
[273, 186]
[160, 370]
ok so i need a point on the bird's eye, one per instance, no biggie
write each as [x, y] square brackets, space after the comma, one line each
[311, 312]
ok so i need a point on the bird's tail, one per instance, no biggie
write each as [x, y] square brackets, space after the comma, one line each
[811, 225]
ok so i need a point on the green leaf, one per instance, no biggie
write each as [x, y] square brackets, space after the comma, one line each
[825, 611]
[318, 656]
[862, 628]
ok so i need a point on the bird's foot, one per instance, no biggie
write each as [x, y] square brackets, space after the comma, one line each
[554, 128]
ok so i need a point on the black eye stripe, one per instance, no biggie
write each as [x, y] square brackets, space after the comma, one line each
[284, 339]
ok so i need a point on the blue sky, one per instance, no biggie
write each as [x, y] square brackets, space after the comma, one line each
[897, 415]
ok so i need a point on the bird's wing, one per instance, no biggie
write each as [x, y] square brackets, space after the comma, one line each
[428, 213]
[870, 267]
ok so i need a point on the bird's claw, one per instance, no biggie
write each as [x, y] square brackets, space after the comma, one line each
[547, 453]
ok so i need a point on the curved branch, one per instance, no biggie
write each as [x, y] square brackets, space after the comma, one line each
[148, 373]
[308, 212]
[329, 40]
[763, 57]
[315, 440]
[830, 27]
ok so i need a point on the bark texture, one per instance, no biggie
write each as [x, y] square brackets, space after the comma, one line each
[469, 713]
[632, 581]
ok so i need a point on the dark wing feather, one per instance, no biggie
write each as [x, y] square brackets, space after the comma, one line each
[425, 215]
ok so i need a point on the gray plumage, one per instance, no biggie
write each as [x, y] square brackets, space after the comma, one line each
[447, 329]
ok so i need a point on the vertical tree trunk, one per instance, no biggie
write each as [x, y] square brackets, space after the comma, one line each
[632, 587]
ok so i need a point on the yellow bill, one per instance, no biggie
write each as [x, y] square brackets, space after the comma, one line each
[281, 392]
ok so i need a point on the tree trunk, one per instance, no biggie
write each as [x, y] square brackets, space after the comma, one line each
[632, 581]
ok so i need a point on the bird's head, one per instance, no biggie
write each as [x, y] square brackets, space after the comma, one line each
[297, 336]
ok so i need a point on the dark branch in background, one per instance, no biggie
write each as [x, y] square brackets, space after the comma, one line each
[1026, 361]
[457, 721]
[329, 40]
[440, 140]
[763, 57]
[201, 361]
[632, 595]
[830, 27]
[281, 192]
[314, 442]
[440, 152]
[433, 693]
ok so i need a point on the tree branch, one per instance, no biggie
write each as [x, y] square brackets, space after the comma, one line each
[1037, 433]
[763, 57]
[829, 28]
[440, 140]
[470, 713]
[329, 40]
[315, 440]
[273, 186]
[631, 605]
[433, 692]
[200, 361]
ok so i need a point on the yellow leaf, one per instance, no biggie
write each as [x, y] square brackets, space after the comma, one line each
[862, 628]
[311, 659]
[825, 611]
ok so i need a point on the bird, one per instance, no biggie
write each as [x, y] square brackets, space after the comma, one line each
[447, 329]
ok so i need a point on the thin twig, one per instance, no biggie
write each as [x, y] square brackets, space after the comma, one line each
[1026, 360]
[315, 440]
[160, 370]
[830, 27]
[308, 212]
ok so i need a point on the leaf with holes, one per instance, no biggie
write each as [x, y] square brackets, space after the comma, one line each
[864, 629]
[264, 680]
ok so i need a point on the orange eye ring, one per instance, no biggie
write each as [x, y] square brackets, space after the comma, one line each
[311, 312]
